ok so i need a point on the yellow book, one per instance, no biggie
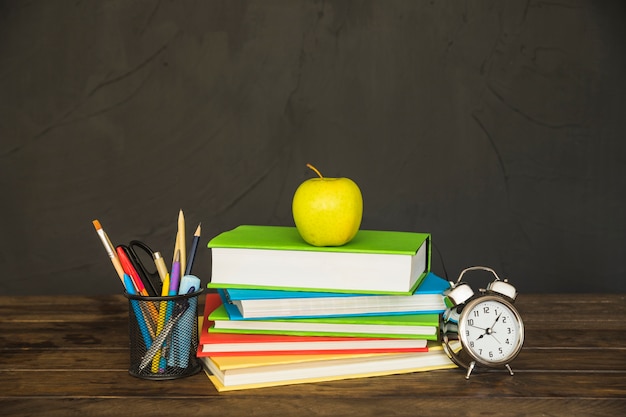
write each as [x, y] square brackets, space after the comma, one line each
[247, 372]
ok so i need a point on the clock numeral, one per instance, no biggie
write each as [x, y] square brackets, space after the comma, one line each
[470, 322]
[471, 344]
[486, 310]
[508, 330]
[507, 342]
[503, 319]
[490, 354]
[476, 314]
[500, 350]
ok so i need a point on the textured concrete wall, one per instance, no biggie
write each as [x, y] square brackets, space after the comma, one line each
[496, 126]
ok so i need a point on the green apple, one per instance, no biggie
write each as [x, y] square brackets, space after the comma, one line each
[327, 211]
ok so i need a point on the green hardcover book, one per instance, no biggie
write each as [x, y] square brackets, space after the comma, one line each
[276, 257]
[415, 326]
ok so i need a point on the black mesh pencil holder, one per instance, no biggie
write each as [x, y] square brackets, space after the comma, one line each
[163, 334]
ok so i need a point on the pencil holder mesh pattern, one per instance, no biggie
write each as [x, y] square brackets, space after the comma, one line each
[163, 334]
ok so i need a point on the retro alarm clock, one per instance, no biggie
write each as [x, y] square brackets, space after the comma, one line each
[484, 329]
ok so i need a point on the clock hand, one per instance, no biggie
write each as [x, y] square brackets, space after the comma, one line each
[480, 328]
[496, 320]
[488, 330]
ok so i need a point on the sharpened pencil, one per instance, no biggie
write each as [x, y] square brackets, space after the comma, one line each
[182, 245]
[194, 249]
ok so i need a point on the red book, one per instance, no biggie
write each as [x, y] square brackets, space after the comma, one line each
[231, 344]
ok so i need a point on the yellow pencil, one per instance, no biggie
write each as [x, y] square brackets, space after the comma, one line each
[160, 323]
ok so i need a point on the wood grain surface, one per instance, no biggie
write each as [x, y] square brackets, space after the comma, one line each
[68, 356]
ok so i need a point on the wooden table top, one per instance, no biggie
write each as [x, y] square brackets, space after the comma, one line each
[68, 356]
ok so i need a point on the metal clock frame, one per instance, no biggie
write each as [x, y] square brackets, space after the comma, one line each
[453, 325]
[463, 324]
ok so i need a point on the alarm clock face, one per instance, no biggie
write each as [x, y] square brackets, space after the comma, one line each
[491, 330]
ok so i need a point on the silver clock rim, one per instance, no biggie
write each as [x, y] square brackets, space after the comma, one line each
[462, 327]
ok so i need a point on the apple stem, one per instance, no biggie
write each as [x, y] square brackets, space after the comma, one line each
[314, 169]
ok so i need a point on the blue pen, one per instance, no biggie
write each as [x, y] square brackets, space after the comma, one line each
[145, 333]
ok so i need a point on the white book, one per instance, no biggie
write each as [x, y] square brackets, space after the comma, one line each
[276, 257]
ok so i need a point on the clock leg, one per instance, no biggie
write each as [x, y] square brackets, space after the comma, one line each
[470, 369]
[509, 368]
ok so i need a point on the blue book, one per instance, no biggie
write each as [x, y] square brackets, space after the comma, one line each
[260, 303]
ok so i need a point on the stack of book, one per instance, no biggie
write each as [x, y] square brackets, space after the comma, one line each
[286, 312]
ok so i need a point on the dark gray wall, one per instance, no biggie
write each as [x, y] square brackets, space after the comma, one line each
[497, 126]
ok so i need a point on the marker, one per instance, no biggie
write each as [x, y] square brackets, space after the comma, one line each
[108, 246]
[188, 285]
[194, 249]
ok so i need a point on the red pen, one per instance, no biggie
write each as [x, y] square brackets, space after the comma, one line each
[128, 267]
